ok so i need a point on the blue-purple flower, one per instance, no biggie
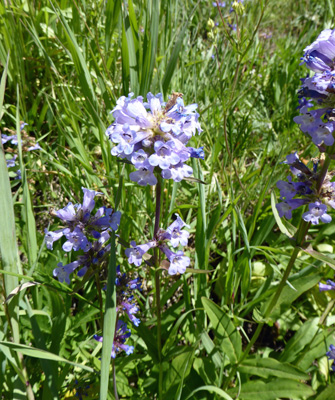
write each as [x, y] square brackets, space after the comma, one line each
[83, 231]
[80, 224]
[330, 285]
[62, 273]
[153, 136]
[174, 235]
[331, 354]
[136, 252]
[122, 333]
[317, 116]
[315, 212]
[306, 190]
[125, 299]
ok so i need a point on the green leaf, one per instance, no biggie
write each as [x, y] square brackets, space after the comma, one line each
[285, 227]
[211, 350]
[109, 322]
[80, 66]
[45, 355]
[130, 47]
[319, 256]
[150, 46]
[211, 389]
[327, 394]
[301, 338]
[273, 390]
[301, 285]
[225, 330]
[206, 369]
[266, 367]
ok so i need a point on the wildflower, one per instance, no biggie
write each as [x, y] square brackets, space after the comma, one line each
[306, 191]
[122, 333]
[153, 136]
[178, 262]
[285, 208]
[124, 295]
[63, 271]
[329, 286]
[176, 235]
[315, 212]
[136, 253]
[11, 162]
[80, 224]
[331, 354]
[173, 235]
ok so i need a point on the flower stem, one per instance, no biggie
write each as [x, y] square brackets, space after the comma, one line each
[157, 287]
[114, 381]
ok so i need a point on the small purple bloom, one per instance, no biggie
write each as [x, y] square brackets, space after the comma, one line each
[331, 354]
[164, 156]
[329, 286]
[11, 162]
[51, 237]
[136, 253]
[285, 208]
[197, 153]
[76, 240]
[177, 172]
[138, 158]
[144, 176]
[67, 214]
[287, 190]
[178, 262]
[63, 272]
[316, 211]
[121, 335]
[23, 124]
[35, 147]
[88, 201]
[323, 133]
[177, 236]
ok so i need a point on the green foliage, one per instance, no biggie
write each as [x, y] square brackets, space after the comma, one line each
[64, 64]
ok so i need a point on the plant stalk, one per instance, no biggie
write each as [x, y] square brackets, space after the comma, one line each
[157, 287]
[300, 239]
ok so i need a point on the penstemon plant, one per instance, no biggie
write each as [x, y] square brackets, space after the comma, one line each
[153, 136]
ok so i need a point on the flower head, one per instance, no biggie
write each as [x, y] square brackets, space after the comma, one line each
[315, 212]
[122, 333]
[153, 136]
[331, 354]
[329, 286]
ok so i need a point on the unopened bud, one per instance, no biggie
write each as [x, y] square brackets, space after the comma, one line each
[210, 23]
[238, 7]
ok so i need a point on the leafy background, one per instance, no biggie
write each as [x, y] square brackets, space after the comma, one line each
[64, 65]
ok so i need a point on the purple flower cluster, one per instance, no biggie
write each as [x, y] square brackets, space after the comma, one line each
[153, 136]
[304, 191]
[317, 92]
[85, 232]
[122, 333]
[27, 145]
[331, 354]
[173, 235]
[125, 304]
[124, 295]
